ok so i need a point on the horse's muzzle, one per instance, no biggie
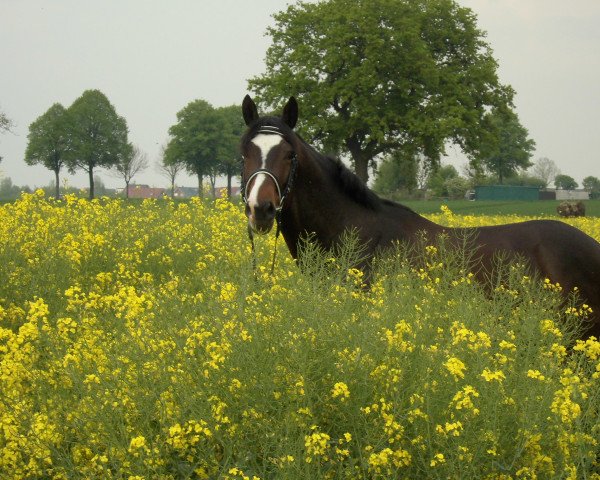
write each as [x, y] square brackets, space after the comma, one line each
[261, 217]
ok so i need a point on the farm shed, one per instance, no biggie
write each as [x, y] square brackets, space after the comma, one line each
[506, 192]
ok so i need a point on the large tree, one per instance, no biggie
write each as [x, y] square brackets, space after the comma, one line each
[378, 76]
[196, 139]
[507, 148]
[98, 135]
[48, 141]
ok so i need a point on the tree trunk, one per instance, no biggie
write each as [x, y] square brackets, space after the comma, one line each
[57, 194]
[212, 179]
[200, 192]
[126, 189]
[173, 187]
[361, 161]
[229, 185]
[91, 175]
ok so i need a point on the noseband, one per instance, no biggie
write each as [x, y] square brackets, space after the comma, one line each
[270, 130]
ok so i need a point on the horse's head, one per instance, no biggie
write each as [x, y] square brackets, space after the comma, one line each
[269, 163]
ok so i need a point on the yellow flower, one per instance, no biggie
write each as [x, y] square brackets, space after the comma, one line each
[455, 367]
[490, 376]
[340, 390]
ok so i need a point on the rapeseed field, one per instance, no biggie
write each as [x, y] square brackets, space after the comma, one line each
[137, 343]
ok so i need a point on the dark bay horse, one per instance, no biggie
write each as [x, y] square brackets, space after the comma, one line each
[285, 180]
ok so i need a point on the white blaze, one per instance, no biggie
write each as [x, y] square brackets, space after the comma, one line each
[264, 143]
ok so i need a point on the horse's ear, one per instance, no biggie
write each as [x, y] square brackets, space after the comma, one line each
[249, 110]
[290, 113]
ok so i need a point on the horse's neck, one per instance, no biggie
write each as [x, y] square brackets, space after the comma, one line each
[309, 209]
[318, 207]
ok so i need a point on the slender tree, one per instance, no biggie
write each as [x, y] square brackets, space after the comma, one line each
[169, 170]
[98, 136]
[48, 142]
[5, 123]
[545, 169]
[379, 76]
[132, 162]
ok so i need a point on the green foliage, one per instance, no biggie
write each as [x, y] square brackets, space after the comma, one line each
[438, 180]
[98, 136]
[592, 185]
[203, 138]
[48, 141]
[382, 76]
[9, 191]
[565, 182]
[507, 148]
[396, 172]
[136, 343]
[229, 155]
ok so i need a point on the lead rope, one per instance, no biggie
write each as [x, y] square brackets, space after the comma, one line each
[288, 187]
[251, 237]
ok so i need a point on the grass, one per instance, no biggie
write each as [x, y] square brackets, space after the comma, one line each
[135, 342]
[498, 207]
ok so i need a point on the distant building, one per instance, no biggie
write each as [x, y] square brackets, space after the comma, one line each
[572, 195]
[145, 191]
[186, 192]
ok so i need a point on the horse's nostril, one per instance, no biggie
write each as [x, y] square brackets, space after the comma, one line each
[265, 210]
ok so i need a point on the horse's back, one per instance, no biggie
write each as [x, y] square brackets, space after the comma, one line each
[557, 251]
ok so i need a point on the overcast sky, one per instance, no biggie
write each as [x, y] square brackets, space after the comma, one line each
[151, 58]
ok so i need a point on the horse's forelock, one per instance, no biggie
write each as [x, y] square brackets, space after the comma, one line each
[273, 123]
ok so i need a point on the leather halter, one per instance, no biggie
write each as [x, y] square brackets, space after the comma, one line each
[270, 130]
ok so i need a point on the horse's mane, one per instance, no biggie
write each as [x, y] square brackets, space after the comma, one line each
[348, 182]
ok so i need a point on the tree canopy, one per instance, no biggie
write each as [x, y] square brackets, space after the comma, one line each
[592, 185]
[48, 141]
[507, 147]
[203, 139]
[98, 135]
[565, 182]
[377, 76]
[545, 169]
[229, 155]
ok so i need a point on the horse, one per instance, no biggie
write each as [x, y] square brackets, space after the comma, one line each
[288, 182]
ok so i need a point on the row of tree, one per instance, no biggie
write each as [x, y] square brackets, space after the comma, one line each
[398, 178]
[384, 79]
[90, 134]
[87, 135]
